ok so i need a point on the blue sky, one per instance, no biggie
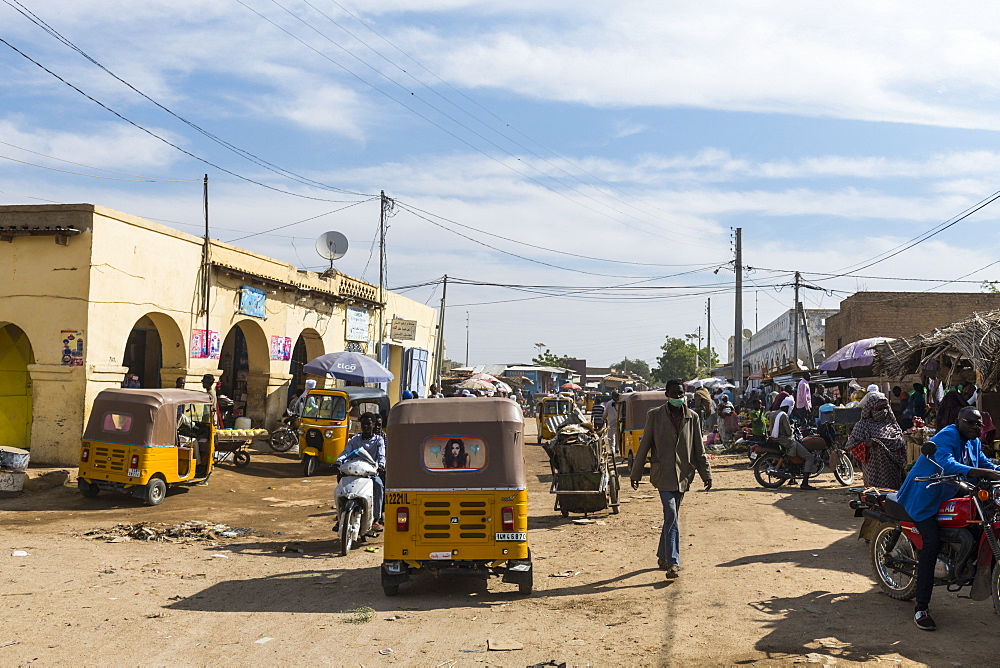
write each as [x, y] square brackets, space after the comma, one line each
[638, 133]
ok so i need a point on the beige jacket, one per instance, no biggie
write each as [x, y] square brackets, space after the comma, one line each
[673, 457]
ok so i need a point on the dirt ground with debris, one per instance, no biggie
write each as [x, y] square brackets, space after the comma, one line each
[769, 578]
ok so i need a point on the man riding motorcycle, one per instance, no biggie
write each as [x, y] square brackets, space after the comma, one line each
[959, 452]
[781, 431]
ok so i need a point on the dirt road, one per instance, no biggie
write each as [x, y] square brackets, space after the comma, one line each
[769, 578]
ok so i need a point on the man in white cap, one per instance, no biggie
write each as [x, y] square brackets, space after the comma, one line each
[781, 431]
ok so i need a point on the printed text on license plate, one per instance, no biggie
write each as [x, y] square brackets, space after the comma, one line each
[512, 537]
[134, 473]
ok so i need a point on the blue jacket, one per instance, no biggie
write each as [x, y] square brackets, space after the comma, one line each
[921, 502]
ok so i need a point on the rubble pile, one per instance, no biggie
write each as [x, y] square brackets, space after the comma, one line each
[191, 530]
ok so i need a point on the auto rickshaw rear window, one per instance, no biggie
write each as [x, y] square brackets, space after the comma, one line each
[454, 454]
[325, 407]
[117, 423]
[558, 407]
[197, 412]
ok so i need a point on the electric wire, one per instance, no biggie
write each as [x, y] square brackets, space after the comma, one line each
[99, 169]
[297, 222]
[38, 21]
[98, 176]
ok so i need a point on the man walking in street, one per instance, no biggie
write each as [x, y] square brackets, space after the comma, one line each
[611, 417]
[672, 439]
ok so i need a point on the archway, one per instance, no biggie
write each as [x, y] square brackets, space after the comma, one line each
[15, 387]
[245, 364]
[155, 342]
[308, 346]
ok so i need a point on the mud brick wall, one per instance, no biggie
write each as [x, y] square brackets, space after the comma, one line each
[898, 314]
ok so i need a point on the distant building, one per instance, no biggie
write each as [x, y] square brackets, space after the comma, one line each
[773, 346]
[899, 314]
[543, 378]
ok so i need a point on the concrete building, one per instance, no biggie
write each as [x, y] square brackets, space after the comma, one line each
[543, 378]
[90, 296]
[773, 345]
[898, 314]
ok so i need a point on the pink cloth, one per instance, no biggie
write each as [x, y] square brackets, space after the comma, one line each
[803, 397]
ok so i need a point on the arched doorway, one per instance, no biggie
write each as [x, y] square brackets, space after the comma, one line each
[245, 364]
[143, 354]
[308, 346]
[15, 387]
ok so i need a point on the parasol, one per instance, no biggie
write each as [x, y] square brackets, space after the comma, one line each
[854, 354]
[349, 366]
[570, 386]
[476, 384]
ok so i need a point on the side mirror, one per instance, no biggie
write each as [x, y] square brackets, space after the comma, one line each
[928, 448]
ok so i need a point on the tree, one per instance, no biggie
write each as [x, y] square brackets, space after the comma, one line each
[638, 367]
[549, 359]
[447, 365]
[991, 286]
[678, 360]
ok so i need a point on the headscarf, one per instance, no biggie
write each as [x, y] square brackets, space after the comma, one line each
[310, 385]
[872, 388]
[885, 429]
[868, 403]
[787, 401]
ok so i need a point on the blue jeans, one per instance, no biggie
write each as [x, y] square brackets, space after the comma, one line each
[670, 541]
[379, 500]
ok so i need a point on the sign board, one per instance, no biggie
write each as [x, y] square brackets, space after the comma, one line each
[252, 302]
[356, 322]
[403, 330]
[72, 347]
[281, 348]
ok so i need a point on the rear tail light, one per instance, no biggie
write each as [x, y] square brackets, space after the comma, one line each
[402, 518]
[507, 517]
[85, 455]
[134, 463]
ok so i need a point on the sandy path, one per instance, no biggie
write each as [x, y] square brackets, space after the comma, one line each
[770, 578]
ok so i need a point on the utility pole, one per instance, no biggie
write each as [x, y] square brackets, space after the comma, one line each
[384, 201]
[206, 279]
[439, 347]
[708, 337]
[795, 322]
[466, 338]
[697, 357]
[738, 347]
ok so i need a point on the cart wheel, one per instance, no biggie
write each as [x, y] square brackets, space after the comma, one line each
[88, 489]
[155, 492]
[614, 485]
[241, 459]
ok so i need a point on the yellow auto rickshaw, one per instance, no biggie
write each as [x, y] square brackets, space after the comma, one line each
[548, 407]
[330, 417]
[456, 494]
[142, 440]
[632, 418]
[591, 399]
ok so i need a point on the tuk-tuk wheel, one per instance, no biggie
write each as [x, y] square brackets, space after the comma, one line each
[156, 491]
[390, 590]
[524, 588]
[88, 489]
[241, 459]
[631, 460]
[309, 466]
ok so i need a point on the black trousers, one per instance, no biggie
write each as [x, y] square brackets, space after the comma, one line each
[928, 529]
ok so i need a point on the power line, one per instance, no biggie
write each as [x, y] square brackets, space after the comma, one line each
[98, 176]
[304, 220]
[80, 164]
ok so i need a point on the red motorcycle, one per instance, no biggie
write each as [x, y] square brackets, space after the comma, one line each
[969, 530]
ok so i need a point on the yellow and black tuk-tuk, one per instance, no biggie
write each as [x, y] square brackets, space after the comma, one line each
[456, 497]
[591, 399]
[330, 417]
[632, 418]
[548, 407]
[142, 440]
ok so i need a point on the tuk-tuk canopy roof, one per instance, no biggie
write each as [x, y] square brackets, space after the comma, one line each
[497, 421]
[151, 413]
[637, 404]
[361, 395]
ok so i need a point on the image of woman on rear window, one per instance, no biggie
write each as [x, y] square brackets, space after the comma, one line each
[454, 455]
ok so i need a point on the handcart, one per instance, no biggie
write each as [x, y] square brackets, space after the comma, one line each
[231, 445]
[584, 476]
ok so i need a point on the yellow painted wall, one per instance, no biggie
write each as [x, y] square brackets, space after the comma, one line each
[122, 268]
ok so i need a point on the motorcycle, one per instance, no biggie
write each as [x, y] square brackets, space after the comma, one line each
[969, 527]
[773, 468]
[354, 499]
[286, 436]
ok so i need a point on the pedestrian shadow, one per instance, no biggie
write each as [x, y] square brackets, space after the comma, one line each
[843, 555]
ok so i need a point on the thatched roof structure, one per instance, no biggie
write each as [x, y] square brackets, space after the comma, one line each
[973, 342]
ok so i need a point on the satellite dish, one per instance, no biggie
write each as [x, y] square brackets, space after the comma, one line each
[331, 245]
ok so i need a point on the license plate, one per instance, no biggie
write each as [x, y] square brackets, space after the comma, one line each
[441, 556]
[134, 473]
[512, 537]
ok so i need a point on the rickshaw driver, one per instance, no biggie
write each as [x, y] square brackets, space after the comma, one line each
[374, 444]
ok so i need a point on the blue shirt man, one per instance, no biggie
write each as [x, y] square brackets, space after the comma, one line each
[374, 445]
[958, 452]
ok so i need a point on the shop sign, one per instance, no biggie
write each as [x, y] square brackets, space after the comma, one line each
[198, 345]
[252, 302]
[403, 330]
[281, 348]
[357, 324]
[354, 347]
[72, 347]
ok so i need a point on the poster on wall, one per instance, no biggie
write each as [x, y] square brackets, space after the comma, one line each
[72, 345]
[252, 301]
[356, 322]
[198, 345]
[281, 348]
